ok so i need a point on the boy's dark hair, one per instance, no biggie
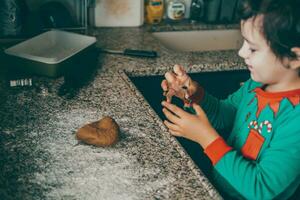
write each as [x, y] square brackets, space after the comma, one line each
[281, 23]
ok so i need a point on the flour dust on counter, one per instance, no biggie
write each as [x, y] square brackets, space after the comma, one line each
[79, 171]
[41, 158]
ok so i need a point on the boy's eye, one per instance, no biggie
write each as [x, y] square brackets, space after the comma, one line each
[252, 50]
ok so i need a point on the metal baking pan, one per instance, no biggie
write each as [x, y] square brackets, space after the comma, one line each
[55, 52]
[50, 53]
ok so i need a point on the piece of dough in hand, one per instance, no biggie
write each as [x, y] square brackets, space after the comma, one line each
[104, 132]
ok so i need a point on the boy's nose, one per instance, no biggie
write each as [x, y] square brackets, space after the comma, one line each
[243, 52]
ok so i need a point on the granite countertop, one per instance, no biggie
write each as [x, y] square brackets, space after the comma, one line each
[41, 159]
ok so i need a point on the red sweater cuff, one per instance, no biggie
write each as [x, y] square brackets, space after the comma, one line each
[216, 150]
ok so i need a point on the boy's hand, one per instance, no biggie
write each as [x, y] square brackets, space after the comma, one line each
[177, 83]
[194, 127]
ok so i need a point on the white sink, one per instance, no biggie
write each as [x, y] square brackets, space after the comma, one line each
[203, 40]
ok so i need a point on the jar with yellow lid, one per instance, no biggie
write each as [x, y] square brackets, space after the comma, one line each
[154, 11]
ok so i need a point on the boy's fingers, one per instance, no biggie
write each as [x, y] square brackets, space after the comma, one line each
[178, 70]
[175, 133]
[171, 126]
[171, 92]
[170, 116]
[182, 75]
[170, 77]
[173, 108]
[169, 95]
[167, 92]
[164, 85]
[199, 111]
[169, 99]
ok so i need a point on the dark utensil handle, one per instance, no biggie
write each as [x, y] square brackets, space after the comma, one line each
[140, 53]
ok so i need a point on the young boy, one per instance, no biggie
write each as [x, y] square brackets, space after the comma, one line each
[261, 157]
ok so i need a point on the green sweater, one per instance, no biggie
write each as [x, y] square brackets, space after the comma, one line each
[261, 157]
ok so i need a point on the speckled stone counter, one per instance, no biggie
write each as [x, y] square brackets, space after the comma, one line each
[41, 159]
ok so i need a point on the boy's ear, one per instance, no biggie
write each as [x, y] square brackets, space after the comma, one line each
[295, 63]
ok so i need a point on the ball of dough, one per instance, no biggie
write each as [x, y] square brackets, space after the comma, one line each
[104, 132]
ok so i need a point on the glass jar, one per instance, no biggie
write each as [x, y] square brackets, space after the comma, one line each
[176, 10]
